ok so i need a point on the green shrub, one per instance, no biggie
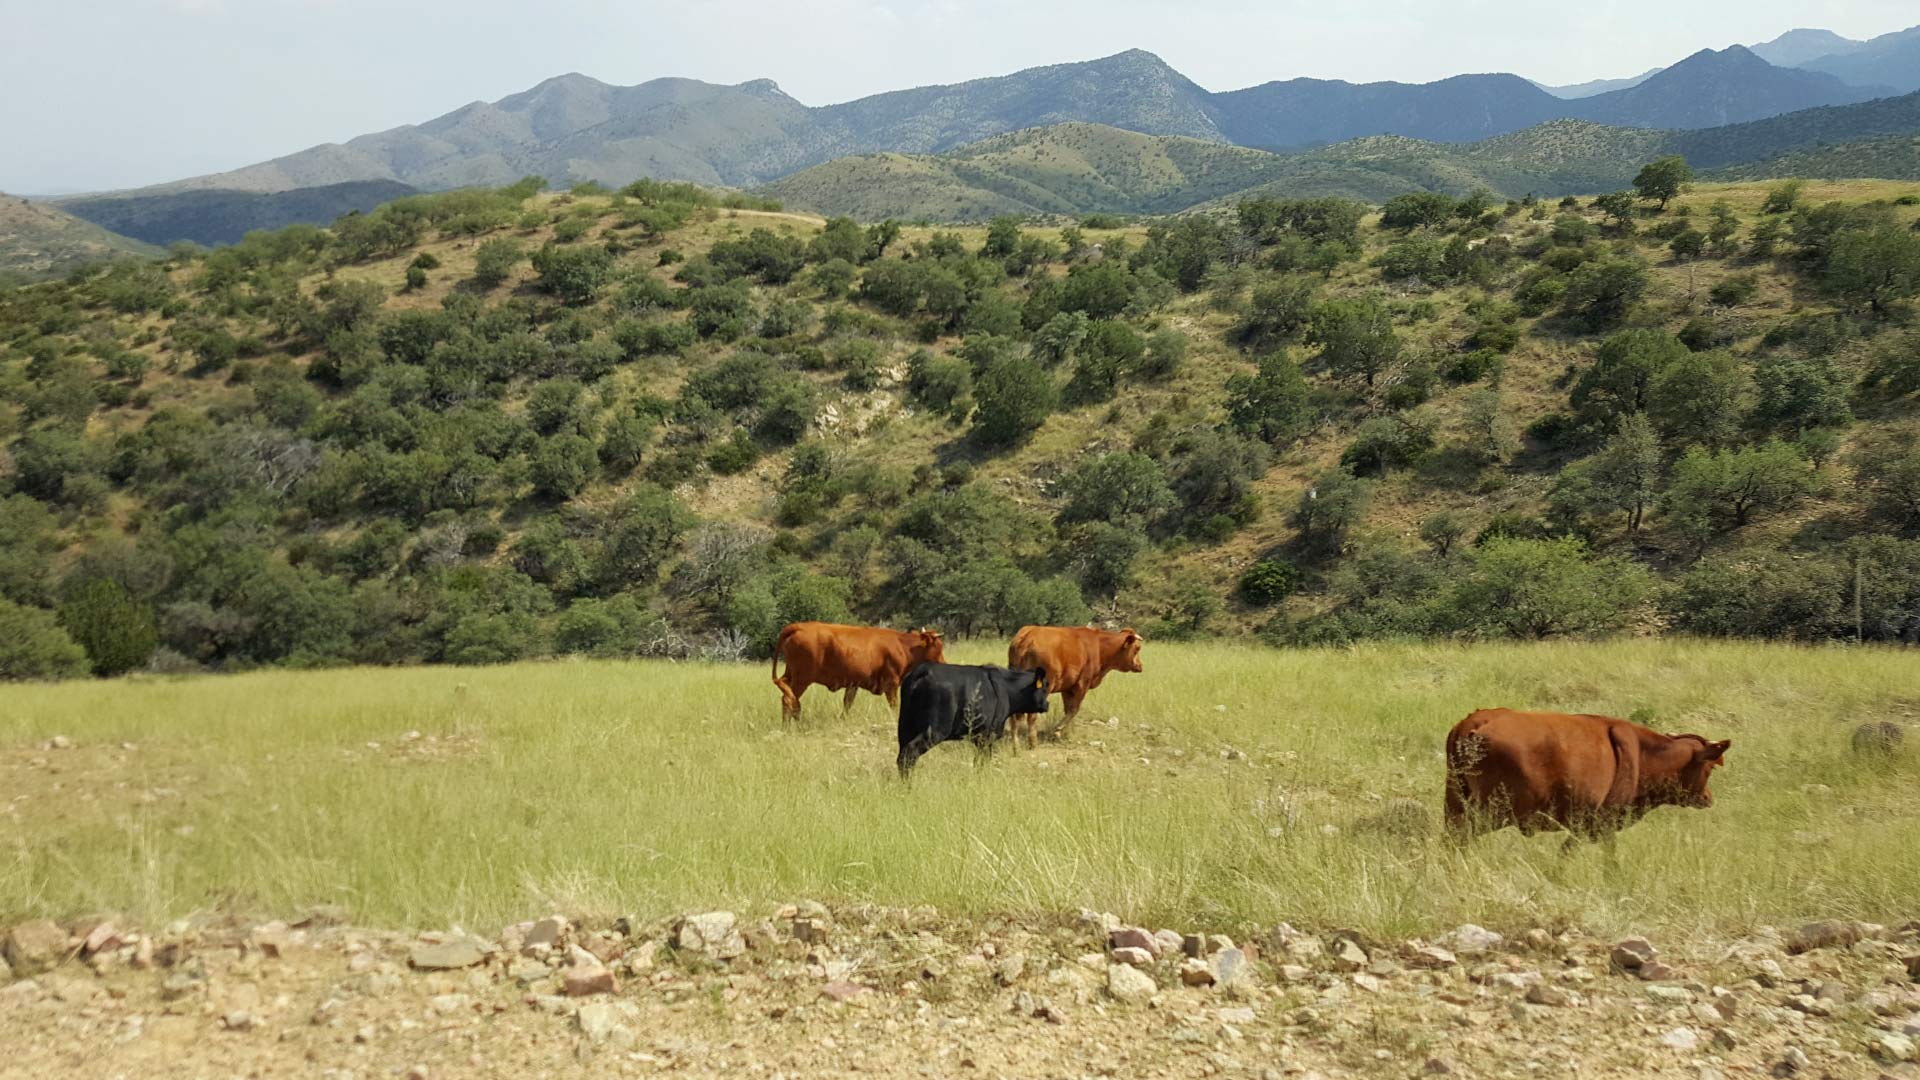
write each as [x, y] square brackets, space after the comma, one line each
[116, 630]
[1269, 581]
[33, 646]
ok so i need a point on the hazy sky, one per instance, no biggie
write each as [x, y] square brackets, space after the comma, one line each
[99, 94]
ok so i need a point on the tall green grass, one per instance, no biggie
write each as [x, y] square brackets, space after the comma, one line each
[1231, 785]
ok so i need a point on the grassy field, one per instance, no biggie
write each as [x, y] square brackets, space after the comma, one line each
[1230, 785]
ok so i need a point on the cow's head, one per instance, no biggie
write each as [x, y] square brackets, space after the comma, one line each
[1029, 692]
[1694, 774]
[929, 647]
[1128, 657]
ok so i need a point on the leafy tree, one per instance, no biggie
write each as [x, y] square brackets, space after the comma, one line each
[942, 384]
[1626, 472]
[1688, 244]
[1618, 207]
[1212, 477]
[1273, 404]
[1794, 394]
[1269, 581]
[1758, 595]
[637, 537]
[1329, 509]
[1877, 268]
[1165, 355]
[1783, 197]
[1384, 443]
[1602, 294]
[494, 261]
[1356, 338]
[1663, 180]
[562, 466]
[573, 273]
[1419, 208]
[1120, 489]
[1279, 310]
[1545, 588]
[1699, 398]
[1887, 470]
[33, 646]
[1003, 237]
[116, 630]
[1441, 531]
[1721, 490]
[1622, 375]
[1013, 397]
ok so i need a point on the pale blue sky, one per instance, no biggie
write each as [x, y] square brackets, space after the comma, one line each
[98, 94]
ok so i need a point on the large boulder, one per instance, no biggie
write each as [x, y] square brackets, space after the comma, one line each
[1130, 984]
[35, 947]
[715, 934]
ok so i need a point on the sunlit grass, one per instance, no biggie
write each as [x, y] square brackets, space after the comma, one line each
[646, 788]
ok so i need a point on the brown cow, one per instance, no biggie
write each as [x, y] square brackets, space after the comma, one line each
[850, 658]
[1075, 659]
[1589, 775]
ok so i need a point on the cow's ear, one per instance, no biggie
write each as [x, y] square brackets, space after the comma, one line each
[1132, 635]
[1715, 751]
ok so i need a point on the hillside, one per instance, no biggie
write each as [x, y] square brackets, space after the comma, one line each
[1713, 89]
[210, 216]
[1796, 48]
[1068, 169]
[684, 422]
[1889, 60]
[1894, 158]
[39, 239]
[573, 128]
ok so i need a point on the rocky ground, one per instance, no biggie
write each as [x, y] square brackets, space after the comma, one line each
[805, 992]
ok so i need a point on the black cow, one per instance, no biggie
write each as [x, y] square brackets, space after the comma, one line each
[945, 702]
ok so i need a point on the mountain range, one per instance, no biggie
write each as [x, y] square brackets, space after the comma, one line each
[573, 128]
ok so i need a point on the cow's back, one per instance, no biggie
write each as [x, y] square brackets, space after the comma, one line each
[838, 657]
[1538, 767]
[1069, 656]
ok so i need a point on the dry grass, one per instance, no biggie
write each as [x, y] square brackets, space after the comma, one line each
[645, 787]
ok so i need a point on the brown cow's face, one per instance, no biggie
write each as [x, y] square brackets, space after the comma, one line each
[932, 647]
[1130, 651]
[1693, 778]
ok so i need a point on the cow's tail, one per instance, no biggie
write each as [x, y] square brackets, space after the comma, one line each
[779, 647]
[1465, 749]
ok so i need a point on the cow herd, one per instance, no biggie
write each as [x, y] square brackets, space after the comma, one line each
[1588, 775]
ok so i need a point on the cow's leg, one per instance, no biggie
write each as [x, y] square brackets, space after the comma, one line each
[790, 699]
[1070, 701]
[911, 751]
[893, 697]
[846, 703]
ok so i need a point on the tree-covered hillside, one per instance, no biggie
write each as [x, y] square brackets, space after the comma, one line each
[485, 425]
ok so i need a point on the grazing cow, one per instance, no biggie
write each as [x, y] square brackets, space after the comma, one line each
[947, 702]
[1589, 775]
[1075, 659]
[850, 658]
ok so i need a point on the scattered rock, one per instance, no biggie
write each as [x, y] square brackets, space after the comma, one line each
[1170, 942]
[58, 742]
[1656, 971]
[601, 1023]
[1433, 957]
[1913, 967]
[1132, 956]
[1471, 940]
[715, 934]
[1633, 953]
[528, 972]
[843, 991]
[1348, 956]
[544, 936]
[1551, 996]
[587, 981]
[35, 947]
[1725, 1039]
[1670, 995]
[1886, 1046]
[1791, 1063]
[1830, 934]
[239, 1021]
[447, 955]
[1229, 967]
[1236, 1016]
[1878, 737]
[1196, 973]
[1133, 937]
[100, 939]
[1130, 984]
[1685, 1040]
[1009, 969]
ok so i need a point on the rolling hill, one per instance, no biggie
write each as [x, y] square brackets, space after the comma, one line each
[1064, 169]
[1796, 48]
[212, 216]
[38, 239]
[1889, 60]
[574, 128]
